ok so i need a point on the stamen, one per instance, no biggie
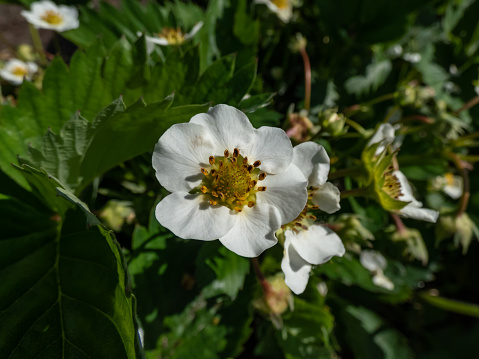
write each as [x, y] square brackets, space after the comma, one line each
[298, 224]
[262, 176]
[204, 189]
[205, 172]
[256, 163]
[312, 217]
[213, 171]
[245, 160]
[261, 189]
[214, 193]
[222, 196]
[250, 204]
[212, 160]
[213, 203]
[237, 209]
[233, 160]
[250, 168]
[235, 153]
[304, 227]
[227, 153]
[221, 164]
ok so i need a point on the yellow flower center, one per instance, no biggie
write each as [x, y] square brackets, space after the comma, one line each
[305, 218]
[20, 71]
[52, 17]
[281, 4]
[449, 177]
[391, 185]
[173, 36]
[232, 181]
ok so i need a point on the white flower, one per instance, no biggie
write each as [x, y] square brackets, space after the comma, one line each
[414, 208]
[307, 244]
[412, 57]
[375, 263]
[230, 181]
[450, 184]
[47, 15]
[170, 36]
[15, 71]
[282, 8]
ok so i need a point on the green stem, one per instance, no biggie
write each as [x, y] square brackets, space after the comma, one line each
[356, 192]
[37, 44]
[345, 172]
[451, 305]
[388, 96]
[357, 127]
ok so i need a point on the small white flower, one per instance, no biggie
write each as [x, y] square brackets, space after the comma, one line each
[282, 8]
[170, 36]
[450, 184]
[229, 181]
[307, 244]
[47, 15]
[15, 71]
[414, 208]
[376, 263]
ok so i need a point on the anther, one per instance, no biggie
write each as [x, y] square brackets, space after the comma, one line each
[204, 189]
[214, 193]
[262, 176]
[222, 196]
[236, 153]
[312, 217]
[252, 184]
[205, 172]
[256, 163]
[245, 160]
[212, 160]
[213, 202]
[237, 209]
[233, 160]
[304, 227]
[261, 189]
[315, 207]
[250, 204]
[212, 172]
[227, 153]
[216, 177]
[221, 164]
[250, 168]
[298, 224]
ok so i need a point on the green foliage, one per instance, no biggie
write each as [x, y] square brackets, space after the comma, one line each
[61, 280]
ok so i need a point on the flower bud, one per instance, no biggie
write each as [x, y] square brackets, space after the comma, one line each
[332, 122]
[462, 228]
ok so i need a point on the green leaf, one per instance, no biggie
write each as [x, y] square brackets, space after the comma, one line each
[369, 336]
[64, 288]
[229, 270]
[376, 75]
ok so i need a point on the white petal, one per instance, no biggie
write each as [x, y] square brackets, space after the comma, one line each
[453, 191]
[327, 197]
[296, 270]
[32, 67]
[253, 231]
[385, 135]
[272, 6]
[285, 14]
[316, 245]
[39, 7]
[190, 217]
[180, 154]
[157, 40]
[194, 30]
[272, 147]
[372, 260]
[229, 126]
[422, 214]
[381, 280]
[313, 161]
[414, 208]
[286, 191]
[13, 79]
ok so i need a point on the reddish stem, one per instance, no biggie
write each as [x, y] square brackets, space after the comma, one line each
[399, 223]
[259, 274]
[468, 105]
[307, 78]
